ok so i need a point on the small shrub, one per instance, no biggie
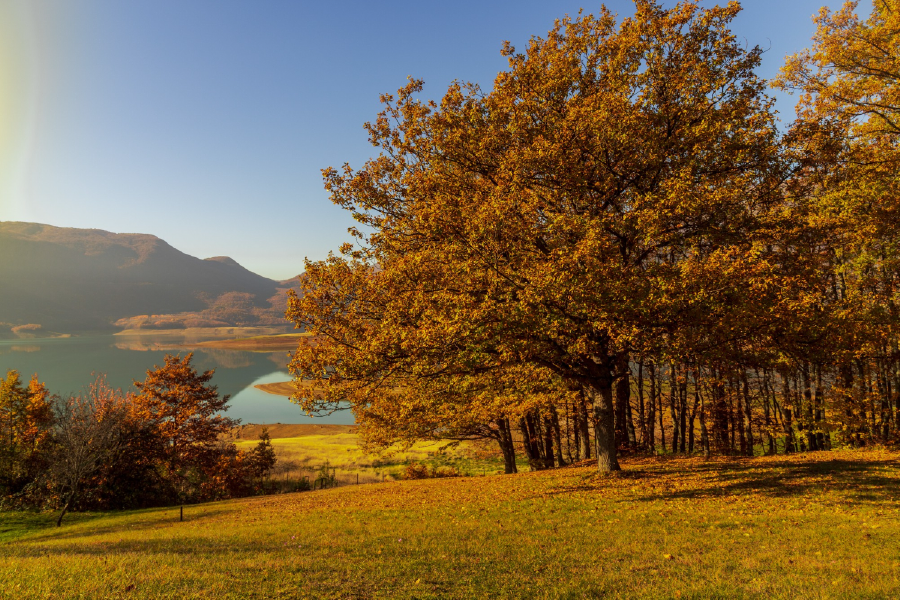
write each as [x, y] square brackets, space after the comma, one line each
[326, 477]
[445, 472]
[416, 471]
[420, 471]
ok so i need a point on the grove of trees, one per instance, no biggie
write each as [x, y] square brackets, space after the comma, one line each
[618, 248]
[105, 449]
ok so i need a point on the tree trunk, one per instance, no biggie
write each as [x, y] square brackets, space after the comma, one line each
[750, 441]
[787, 416]
[600, 392]
[739, 420]
[641, 407]
[651, 411]
[673, 406]
[693, 416]
[583, 423]
[704, 432]
[809, 419]
[548, 442]
[530, 443]
[67, 506]
[624, 421]
[507, 447]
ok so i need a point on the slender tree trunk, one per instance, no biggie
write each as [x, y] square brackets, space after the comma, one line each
[661, 413]
[786, 412]
[651, 412]
[576, 429]
[704, 432]
[693, 416]
[583, 423]
[739, 420]
[682, 413]
[750, 440]
[641, 409]
[557, 435]
[624, 421]
[729, 422]
[824, 441]
[547, 430]
[67, 505]
[673, 406]
[809, 428]
[530, 443]
[767, 417]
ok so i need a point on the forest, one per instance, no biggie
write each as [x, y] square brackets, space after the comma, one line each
[620, 248]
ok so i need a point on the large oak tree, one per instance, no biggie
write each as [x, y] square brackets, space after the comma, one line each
[619, 188]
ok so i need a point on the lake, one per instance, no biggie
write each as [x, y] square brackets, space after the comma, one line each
[66, 366]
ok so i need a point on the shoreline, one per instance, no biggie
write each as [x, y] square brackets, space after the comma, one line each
[206, 332]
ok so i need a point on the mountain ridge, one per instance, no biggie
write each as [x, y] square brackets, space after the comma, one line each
[67, 279]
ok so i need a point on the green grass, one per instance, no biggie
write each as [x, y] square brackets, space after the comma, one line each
[817, 526]
[303, 456]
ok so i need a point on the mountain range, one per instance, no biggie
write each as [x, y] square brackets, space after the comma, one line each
[67, 280]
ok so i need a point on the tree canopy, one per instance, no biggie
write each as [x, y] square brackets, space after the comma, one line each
[619, 191]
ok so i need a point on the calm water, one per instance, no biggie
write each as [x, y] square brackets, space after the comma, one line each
[66, 366]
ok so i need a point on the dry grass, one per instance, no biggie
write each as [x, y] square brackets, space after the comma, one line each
[823, 526]
[304, 455]
[284, 430]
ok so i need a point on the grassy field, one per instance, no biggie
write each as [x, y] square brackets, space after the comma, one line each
[811, 526]
[303, 455]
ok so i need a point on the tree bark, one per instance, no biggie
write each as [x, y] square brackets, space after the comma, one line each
[673, 406]
[557, 436]
[600, 392]
[624, 421]
[584, 425]
[530, 443]
[651, 411]
[507, 447]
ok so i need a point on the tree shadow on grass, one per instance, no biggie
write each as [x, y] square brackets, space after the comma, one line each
[859, 480]
[864, 480]
[124, 523]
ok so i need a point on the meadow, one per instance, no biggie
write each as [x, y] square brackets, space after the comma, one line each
[304, 450]
[822, 525]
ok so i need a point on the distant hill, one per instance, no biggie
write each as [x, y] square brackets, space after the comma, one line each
[66, 279]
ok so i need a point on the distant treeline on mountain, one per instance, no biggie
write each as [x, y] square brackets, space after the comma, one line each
[58, 279]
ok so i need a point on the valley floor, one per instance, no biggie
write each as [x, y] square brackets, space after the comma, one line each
[822, 525]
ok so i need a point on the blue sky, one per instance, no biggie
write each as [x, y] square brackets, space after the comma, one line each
[207, 122]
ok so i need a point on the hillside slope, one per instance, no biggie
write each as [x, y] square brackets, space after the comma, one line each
[78, 279]
[823, 525]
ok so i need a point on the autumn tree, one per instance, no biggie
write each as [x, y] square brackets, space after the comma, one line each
[621, 184]
[89, 431]
[846, 139]
[185, 411]
[25, 429]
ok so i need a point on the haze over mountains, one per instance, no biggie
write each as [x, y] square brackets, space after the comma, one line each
[68, 280]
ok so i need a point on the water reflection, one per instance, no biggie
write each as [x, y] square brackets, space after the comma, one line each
[67, 365]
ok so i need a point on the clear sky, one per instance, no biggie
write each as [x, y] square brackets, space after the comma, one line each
[207, 122]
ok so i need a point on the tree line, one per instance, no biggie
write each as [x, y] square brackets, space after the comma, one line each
[165, 444]
[617, 248]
